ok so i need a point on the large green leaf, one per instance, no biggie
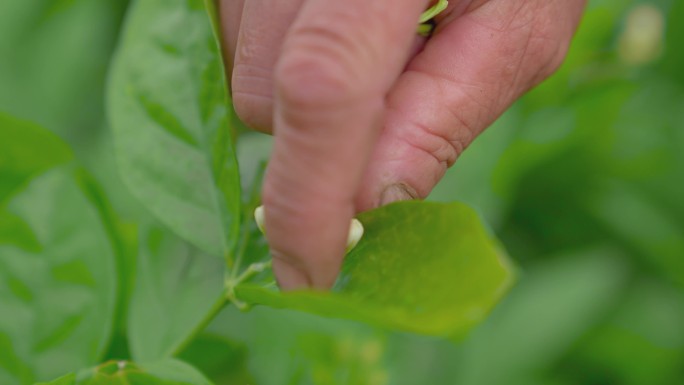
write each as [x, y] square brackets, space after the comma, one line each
[178, 287]
[168, 372]
[57, 259]
[58, 295]
[423, 267]
[168, 107]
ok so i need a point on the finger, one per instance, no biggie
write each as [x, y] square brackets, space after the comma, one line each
[470, 71]
[230, 12]
[264, 26]
[337, 65]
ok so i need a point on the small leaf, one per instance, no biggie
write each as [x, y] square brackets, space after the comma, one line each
[422, 267]
[177, 286]
[168, 372]
[168, 107]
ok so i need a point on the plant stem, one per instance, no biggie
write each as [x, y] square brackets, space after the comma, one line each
[424, 25]
[215, 310]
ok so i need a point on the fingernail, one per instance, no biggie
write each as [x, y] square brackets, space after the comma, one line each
[289, 276]
[396, 193]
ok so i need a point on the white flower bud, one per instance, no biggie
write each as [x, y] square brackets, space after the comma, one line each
[355, 228]
[259, 218]
[355, 234]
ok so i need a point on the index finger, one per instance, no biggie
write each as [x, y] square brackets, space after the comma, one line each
[338, 62]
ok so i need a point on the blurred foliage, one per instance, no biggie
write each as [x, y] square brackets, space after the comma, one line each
[583, 180]
[165, 372]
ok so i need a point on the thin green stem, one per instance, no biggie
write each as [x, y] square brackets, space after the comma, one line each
[213, 313]
[240, 253]
[433, 11]
[233, 283]
[424, 25]
[249, 207]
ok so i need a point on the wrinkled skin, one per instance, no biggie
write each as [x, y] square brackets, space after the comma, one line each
[365, 112]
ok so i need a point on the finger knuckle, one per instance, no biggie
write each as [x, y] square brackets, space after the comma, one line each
[555, 55]
[310, 79]
[321, 63]
[549, 46]
[252, 96]
[444, 145]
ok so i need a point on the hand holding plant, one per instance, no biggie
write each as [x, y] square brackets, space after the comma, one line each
[366, 112]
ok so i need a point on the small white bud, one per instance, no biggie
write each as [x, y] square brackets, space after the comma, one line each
[355, 234]
[259, 218]
[355, 228]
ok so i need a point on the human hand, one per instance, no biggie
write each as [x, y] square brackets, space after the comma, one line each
[365, 112]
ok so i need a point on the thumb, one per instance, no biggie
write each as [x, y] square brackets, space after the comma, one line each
[469, 73]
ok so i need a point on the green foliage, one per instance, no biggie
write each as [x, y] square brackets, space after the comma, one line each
[16, 166]
[581, 180]
[58, 281]
[167, 372]
[177, 286]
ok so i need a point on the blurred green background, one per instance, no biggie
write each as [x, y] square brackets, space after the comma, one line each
[582, 180]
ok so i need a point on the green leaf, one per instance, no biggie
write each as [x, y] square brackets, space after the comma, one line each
[123, 237]
[422, 267]
[555, 303]
[60, 293]
[220, 359]
[55, 53]
[178, 289]
[320, 351]
[168, 372]
[69, 379]
[168, 107]
[26, 150]
[57, 259]
[14, 231]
